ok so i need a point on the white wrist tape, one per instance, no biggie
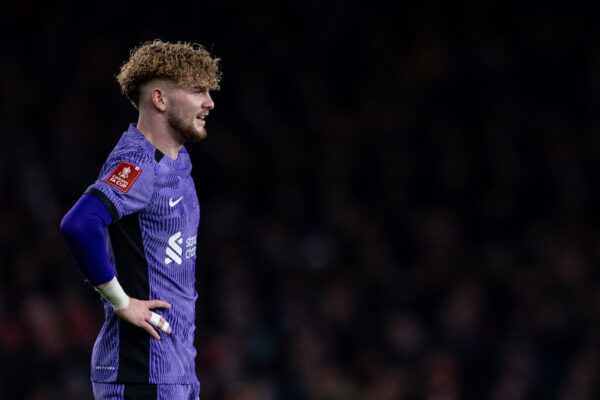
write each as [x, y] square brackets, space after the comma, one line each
[114, 294]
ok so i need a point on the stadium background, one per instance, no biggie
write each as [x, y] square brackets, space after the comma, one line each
[397, 203]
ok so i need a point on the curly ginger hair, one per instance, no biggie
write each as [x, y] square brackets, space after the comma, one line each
[181, 62]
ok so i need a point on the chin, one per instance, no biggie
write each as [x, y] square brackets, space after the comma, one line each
[197, 136]
[201, 135]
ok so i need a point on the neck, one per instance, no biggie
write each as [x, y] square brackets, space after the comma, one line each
[160, 138]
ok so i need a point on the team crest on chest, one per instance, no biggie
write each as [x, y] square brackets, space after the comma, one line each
[123, 176]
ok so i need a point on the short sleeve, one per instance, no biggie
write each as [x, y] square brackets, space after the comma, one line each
[127, 180]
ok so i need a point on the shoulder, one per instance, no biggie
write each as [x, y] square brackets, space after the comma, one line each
[132, 161]
[132, 152]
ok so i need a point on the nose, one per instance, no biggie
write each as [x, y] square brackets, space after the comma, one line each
[208, 102]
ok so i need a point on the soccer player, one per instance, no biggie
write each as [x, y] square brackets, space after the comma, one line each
[133, 231]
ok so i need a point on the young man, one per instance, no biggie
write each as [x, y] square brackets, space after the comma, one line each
[133, 231]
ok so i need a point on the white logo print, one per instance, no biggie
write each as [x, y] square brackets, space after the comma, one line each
[174, 249]
[173, 203]
[125, 172]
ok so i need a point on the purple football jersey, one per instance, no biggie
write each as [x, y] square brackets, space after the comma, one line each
[152, 244]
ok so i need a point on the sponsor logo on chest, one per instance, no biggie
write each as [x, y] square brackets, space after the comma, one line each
[179, 248]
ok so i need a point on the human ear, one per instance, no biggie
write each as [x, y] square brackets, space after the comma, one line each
[157, 96]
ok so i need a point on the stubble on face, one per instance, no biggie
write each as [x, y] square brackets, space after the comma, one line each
[187, 130]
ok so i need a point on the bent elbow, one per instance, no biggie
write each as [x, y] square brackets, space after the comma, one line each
[67, 226]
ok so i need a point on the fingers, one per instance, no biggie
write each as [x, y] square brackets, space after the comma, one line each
[154, 319]
[139, 313]
[158, 322]
[148, 328]
[157, 304]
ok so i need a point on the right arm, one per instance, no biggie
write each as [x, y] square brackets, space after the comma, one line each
[83, 227]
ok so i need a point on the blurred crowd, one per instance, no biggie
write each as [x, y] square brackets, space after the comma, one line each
[395, 204]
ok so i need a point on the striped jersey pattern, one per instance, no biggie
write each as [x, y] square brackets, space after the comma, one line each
[152, 245]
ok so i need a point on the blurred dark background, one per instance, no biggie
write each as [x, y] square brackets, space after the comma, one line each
[398, 202]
